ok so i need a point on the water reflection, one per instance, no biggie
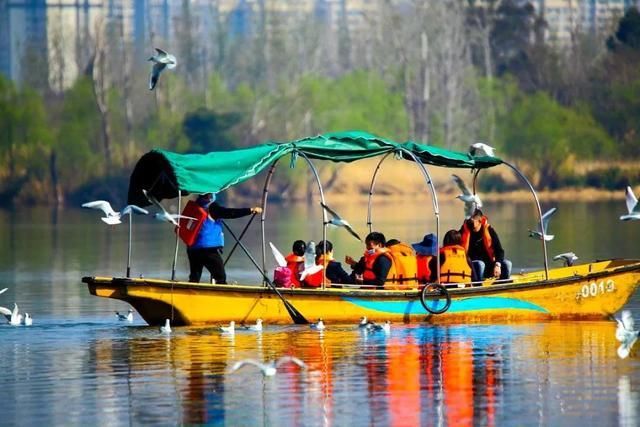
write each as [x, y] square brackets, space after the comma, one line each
[551, 373]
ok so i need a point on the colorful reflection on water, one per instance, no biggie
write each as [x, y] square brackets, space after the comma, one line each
[513, 374]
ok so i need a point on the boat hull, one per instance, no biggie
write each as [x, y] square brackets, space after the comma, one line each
[590, 291]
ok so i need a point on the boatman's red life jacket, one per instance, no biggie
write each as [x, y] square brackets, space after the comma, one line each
[189, 228]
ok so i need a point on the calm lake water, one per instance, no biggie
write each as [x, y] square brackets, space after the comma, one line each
[78, 365]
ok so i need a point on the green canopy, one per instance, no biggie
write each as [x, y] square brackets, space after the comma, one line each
[163, 173]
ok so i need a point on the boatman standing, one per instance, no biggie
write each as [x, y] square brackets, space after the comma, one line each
[206, 250]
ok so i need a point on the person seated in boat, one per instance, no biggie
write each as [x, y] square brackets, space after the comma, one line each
[455, 266]
[333, 271]
[483, 247]
[425, 250]
[295, 261]
[405, 275]
[206, 251]
[376, 264]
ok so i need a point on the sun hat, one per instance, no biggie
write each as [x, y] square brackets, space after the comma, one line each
[428, 246]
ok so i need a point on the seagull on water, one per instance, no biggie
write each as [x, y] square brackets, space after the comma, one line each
[480, 149]
[257, 327]
[626, 334]
[310, 266]
[385, 327]
[163, 215]
[28, 321]
[363, 322]
[268, 369]
[337, 221]
[319, 325]
[128, 317]
[231, 329]
[166, 329]
[632, 206]
[161, 60]
[568, 257]
[112, 217]
[541, 233]
[2, 291]
[471, 201]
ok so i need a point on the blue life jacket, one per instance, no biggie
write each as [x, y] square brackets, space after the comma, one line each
[210, 234]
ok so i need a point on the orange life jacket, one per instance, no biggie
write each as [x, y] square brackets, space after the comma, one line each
[486, 237]
[406, 267]
[455, 269]
[369, 260]
[315, 280]
[424, 272]
[294, 262]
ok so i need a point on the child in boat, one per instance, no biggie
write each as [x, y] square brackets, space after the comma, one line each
[333, 271]
[295, 261]
[455, 266]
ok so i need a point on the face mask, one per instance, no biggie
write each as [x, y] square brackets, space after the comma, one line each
[370, 251]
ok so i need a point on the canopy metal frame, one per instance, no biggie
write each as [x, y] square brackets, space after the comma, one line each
[428, 180]
[265, 196]
[538, 208]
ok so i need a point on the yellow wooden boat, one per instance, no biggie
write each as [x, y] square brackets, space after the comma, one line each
[594, 290]
[587, 291]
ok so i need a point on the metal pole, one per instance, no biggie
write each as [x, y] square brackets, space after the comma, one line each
[175, 254]
[324, 212]
[373, 183]
[263, 205]
[535, 197]
[129, 248]
[434, 201]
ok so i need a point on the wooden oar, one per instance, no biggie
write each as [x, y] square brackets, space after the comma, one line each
[296, 316]
[235, 245]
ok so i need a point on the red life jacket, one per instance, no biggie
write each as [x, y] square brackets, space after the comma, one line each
[315, 280]
[189, 228]
[486, 237]
[295, 263]
[424, 272]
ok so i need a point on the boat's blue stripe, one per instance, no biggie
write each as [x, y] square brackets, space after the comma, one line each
[457, 305]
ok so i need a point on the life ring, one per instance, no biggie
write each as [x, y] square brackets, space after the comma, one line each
[435, 289]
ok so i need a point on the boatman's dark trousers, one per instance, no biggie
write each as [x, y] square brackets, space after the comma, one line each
[211, 258]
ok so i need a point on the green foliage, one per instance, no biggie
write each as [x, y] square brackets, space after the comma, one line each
[209, 131]
[537, 129]
[628, 33]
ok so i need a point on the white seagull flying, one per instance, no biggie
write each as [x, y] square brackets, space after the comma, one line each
[632, 206]
[2, 291]
[481, 149]
[112, 217]
[541, 233]
[471, 201]
[568, 257]
[626, 334]
[337, 221]
[161, 60]
[163, 215]
[268, 369]
[310, 266]
[280, 259]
